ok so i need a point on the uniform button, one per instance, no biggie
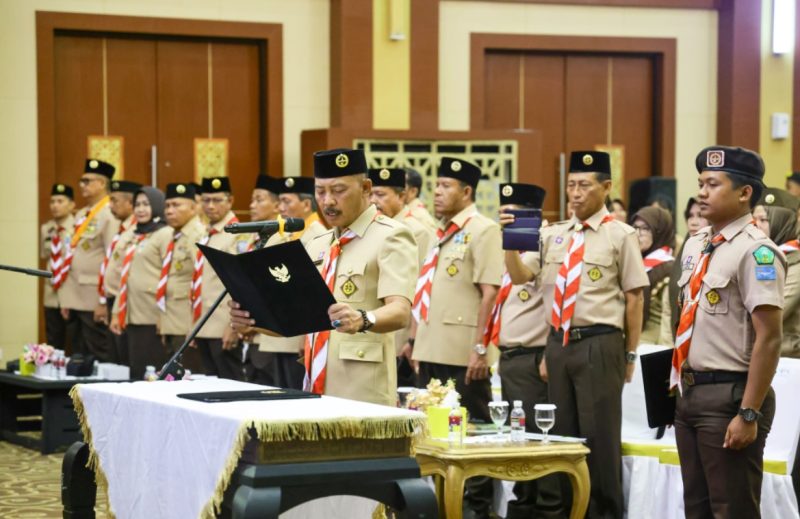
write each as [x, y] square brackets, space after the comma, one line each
[360, 354]
[459, 318]
[349, 271]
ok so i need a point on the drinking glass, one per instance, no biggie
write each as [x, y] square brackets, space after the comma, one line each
[499, 414]
[545, 418]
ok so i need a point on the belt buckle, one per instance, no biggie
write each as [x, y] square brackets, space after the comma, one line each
[575, 334]
[688, 379]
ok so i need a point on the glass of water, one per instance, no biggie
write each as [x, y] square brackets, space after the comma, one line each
[545, 418]
[499, 414]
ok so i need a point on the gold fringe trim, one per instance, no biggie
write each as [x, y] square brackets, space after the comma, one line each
[213, 508]
[93, 463]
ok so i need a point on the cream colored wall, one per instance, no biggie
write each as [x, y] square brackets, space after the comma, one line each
[305, 94]
[694, 30]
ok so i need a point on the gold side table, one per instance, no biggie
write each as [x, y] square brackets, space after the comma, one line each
[452, 466]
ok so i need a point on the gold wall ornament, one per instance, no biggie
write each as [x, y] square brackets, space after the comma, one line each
[616, 157]
[281, 274]
[210, 158]
[108, 148]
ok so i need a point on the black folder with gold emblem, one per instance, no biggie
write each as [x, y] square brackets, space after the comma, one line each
[279, 286]
[660, 402]
[267, 393]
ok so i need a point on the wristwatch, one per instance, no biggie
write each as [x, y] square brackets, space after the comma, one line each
[480, 349]
[369, 320]
[749, 415]
[630, 357]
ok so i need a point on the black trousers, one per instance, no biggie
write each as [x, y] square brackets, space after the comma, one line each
[192, 359]
[719, 482]
[93, 337]
[119, 343]
[520, 380]
[220, 362]
[59, 332]
[585, 383]
[146, 349]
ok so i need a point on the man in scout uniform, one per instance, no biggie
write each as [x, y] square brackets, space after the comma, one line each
[388, 195]
[279, 359]
[264, 200]
[454, 296]
[218, 344]
[517, 329]
[121, 205]
[793, 184]
[53, 239]
[728, 341]
[418, 209]
[368, 261]
[176, 246]
[94, 230]
[592, 280]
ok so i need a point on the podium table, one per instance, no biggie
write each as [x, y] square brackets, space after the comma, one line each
[453, 465]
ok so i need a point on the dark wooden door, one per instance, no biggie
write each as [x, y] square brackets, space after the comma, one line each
[577, 101]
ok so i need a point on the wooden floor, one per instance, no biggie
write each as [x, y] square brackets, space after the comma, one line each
[30, 484]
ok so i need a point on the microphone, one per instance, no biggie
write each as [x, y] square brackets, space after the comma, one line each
[267, 226]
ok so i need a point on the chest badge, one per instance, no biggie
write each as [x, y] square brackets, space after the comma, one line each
[524, 295]
[713, 297]
[559, 239]
[178, 266]
[452, 270]
[764, 255]
[348, 288]
[281, 274]
[86, 245]
[595, 274]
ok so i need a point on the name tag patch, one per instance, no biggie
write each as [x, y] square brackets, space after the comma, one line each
[766, 273]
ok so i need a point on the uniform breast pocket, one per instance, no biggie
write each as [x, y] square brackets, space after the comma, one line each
[715, 293]
[552, 263]
[452, 262]
[351, 282]
[361, 351]
[182, 261]
[597, 269]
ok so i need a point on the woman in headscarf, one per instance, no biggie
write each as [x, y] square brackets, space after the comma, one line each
[775, 214]
[656, 241]
[135, 311]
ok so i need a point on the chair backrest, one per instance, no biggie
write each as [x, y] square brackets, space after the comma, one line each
[783, 437]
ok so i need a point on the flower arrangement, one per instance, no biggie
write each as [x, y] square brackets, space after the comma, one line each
[39, 354]
[432, 396]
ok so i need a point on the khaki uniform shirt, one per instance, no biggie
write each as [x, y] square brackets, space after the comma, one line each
[177, 320]
[612, 265]
[723, 336]
[471, 257]
[145, 271]
[48, 230]
[212, 286]
[290, 344]
[521, 322]
[379, 263]
[420, 212]
[790, 347]
[79, 291]
[114, 268]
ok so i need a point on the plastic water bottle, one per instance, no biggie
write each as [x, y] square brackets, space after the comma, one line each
[150, 373]
[517, 422]
[455, 425]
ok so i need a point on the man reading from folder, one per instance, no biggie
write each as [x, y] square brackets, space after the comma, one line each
[369, 263]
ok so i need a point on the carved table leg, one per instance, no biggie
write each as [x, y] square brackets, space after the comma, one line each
[454, 492]
[581, 488]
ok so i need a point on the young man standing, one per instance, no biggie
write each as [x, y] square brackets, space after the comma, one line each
[728, 341]
[54, 236]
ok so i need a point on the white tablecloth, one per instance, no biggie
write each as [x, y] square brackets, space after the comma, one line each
[164, 456]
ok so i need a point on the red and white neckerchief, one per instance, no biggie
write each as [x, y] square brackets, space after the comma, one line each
[790, 246]
[657, 257]
[568, 280]
[122, 298]
[316, 345]
[491, 334]
[422, 293]
[56, 261]
[683, 337]
[101, 289]
[197, 274]
[161, 289]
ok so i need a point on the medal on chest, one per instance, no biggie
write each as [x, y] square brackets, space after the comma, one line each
[712, 297]
[594, 274]
[452, 270]
[524, 295]
[348, 288]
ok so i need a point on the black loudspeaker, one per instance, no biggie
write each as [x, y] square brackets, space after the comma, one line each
[645, 191]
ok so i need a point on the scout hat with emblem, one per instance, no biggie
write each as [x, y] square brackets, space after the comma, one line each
[461, 170]
[527, 195]
[268, 183]
[181, 190]
[298, 185]
[125, 186]
[739, 161]
[340, 162]
[63, 190]
[98, 167]
[590, 162]
[388, 177]
[774, 197]
[216, 185]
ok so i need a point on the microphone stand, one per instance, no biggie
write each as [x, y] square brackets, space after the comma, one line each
[173, 366]
[30, 272]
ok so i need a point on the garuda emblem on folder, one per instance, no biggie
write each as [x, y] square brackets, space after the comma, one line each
[281, 274]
